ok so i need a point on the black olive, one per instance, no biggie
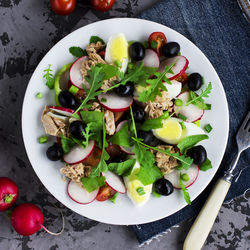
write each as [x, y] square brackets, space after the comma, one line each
[163, 187]
[136, 51]
[198, 153]
[118, 159]
[138, 113]
[55, 152]
[66, 99]
[125, 90]
[76, 128]
[170, 49]
[148, 138]
[194, 81]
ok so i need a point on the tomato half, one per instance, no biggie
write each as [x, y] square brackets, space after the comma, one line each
[102, 5]
[105, 193]
[156, 40]
[63, 7]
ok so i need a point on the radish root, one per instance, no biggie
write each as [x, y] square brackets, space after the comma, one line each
[63, 223]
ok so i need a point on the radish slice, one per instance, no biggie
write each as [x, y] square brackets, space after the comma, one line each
[127, 150]
[174, 177]
[62, 111]
[191, 111]
[79, 154]
[75, 74]
[114, 181]
[181, 63]
[80, 194]
[151, 59]
[174, 89]
[114, 102]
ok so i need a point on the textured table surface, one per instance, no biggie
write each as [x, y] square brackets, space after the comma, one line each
[28, 30]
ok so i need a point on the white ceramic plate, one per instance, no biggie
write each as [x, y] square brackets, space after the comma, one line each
[123, 212]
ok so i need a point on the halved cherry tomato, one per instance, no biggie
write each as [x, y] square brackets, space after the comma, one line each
[102, 5]
[105, 193]
[63, 7]
[156, 40]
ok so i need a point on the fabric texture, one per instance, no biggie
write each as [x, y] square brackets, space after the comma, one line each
[220, 30]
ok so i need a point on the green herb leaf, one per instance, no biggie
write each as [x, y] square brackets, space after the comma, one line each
[93, 116]
[93, 183]
[109, 70]
[185, 193]
[154, 44]
[122, 137]
[154, 123]
[48, 76]
[199, 103]
[77, 51]
[122, 168]
[113, 198]
[206, 165]
[156, 86]
[87, 133]
[190, 141]
[95, 39]
[67, 144]
[194, 97]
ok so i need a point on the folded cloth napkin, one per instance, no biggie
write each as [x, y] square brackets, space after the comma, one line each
[219, 29]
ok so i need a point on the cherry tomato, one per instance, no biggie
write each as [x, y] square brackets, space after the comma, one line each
[105, 193]
[63, 7]
[102, 5]
[156, 40]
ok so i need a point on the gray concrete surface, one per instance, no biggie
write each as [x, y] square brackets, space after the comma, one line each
[28, 29]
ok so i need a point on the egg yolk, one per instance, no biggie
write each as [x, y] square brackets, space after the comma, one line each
[119, 49]
[171, 130]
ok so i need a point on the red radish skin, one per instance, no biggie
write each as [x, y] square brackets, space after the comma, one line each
[192, 112]
[79, 194]
[114, 102]
[75, 74]
[179, 68]
[79, 154]
[27, 219]
[8, 193]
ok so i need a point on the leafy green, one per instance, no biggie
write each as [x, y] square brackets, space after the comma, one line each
[154, 123]
[93, 116]
[77, 51]
[206, 165]
[48, 76]
[93, 183]
[154, 44]
[156, 85]
[67, 144]
[121, 137]
[190, 141]
[87, 133]
[122, 168]
[108, 70]
[199, 103]
[185, 193]
[95, 39]
[113, 198]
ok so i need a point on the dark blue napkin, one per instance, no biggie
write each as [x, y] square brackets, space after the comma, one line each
[219, 29]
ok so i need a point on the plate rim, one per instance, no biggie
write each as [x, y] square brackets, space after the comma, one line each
[140, 20]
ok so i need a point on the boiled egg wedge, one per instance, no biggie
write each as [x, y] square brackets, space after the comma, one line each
[172, 131]
[117, 51]
[134, 185]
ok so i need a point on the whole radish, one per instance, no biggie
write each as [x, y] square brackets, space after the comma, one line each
[8, 193]
[27, 219]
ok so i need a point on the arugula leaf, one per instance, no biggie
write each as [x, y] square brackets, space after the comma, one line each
[109, 70]
[121, 137]
[185, 193]
[190, 141]
[156, 85]
[49, 77]
[147, 72]
[206, 165]
[95, 39]
[67, 144]
[93, 183]
[87, 133]
[198, 103]
[113, 198]
[122, 168]
[184, 160]
[154, 123]
[93, 116]
[77, 51]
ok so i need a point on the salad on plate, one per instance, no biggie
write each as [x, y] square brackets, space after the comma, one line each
[126, 120]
